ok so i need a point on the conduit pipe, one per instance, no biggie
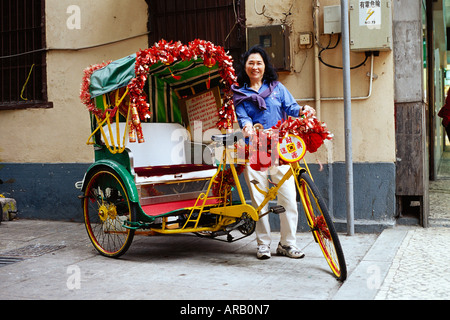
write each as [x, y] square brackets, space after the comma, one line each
[347, 105]
[347, 116]
[353, 98]
[316, 58]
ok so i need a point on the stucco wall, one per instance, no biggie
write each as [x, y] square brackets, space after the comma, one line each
[59, 134]
[26, 136]
[44, 151]
[373, 118]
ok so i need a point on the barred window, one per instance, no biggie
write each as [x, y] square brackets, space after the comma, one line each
[23, 79]
[220, 21]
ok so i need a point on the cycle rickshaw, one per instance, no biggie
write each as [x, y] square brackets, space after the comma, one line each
[155, 177]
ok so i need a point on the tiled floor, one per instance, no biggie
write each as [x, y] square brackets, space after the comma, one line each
[440, 193]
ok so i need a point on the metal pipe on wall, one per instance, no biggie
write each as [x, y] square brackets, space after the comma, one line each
[347, 115]
[316, 58]
[372, 76]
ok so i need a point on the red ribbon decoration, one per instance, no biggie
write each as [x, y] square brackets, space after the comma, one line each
[169, 52]
[85, 95]
[259, 150]
[312, 131]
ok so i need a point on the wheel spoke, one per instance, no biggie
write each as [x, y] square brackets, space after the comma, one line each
[106, 208]
[322, 226]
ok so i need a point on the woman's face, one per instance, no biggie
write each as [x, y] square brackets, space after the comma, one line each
[255, 67]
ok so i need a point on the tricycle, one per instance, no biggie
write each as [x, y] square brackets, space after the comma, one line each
[168, 159]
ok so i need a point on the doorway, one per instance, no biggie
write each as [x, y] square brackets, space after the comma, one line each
[222, 22]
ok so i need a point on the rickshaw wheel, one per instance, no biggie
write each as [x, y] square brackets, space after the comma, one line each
[106, 207]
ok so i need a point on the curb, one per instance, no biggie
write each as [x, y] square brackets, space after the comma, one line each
[373, 268]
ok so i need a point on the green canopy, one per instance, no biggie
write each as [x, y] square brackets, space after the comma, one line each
[165, 90]
[166, 84]
[115, 75]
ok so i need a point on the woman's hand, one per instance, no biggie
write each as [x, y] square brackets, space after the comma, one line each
[248, 130]
[308, 111]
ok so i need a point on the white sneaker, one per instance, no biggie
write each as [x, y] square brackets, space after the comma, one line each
[263, 252]
[289, 251]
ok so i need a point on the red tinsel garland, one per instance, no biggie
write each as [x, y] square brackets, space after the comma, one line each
[85, 94]
[309, 128]
[168, 53]
[224, 181]
[320, 225]
[312, 131]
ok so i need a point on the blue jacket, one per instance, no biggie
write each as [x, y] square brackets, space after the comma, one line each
[279, 104]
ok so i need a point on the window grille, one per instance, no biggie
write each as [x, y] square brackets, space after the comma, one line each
[23, 82]
[219, 21]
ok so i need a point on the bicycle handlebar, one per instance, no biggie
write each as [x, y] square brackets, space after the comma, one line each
[228, 137]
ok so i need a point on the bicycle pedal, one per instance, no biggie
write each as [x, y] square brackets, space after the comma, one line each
[277, 209]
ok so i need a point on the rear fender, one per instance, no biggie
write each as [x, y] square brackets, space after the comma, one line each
[121, 171]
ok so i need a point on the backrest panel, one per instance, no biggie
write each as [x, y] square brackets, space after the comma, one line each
[164, 144]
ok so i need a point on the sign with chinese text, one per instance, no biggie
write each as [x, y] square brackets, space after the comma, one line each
[292, 148]
[201, 111]
[369, 12]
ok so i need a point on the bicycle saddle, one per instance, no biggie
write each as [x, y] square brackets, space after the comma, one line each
[228, 137]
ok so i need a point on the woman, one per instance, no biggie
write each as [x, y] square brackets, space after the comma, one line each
[261, 101]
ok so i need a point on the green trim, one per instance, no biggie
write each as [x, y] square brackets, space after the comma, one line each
[124, 174]
[121, 158]
[114, 76]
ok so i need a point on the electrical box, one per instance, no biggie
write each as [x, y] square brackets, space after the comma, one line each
[370, 25]
[332, 19]
[275, 40]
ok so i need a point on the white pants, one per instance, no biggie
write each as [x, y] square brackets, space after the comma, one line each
[286, 198]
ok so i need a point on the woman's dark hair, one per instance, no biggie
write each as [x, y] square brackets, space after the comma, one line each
[270, 73]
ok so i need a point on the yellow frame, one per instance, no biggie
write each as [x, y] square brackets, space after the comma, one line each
[111, 145]
[228, 213]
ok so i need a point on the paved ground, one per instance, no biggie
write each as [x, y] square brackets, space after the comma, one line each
[60, 263]
[162, 267]
[55, 260]
[420, 269]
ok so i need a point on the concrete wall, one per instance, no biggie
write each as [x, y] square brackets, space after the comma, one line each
[58, 135]
[373, 121]
[43, 152]
[51, 143]
[373, 118]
